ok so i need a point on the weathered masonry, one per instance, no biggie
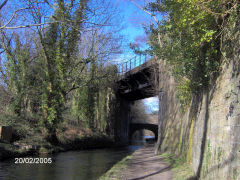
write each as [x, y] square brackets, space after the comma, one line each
[137, 80]
[133, 127]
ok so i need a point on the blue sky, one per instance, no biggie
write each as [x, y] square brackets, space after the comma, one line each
[131, 13]
[134, 19]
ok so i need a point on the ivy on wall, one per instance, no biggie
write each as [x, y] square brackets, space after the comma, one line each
[192, 39]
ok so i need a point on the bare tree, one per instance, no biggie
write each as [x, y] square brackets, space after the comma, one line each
[138, 112]
[154, 17]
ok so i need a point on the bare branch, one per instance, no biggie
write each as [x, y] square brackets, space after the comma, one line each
[9, 21]
[25, 26]
[152, 15]
[2, 51]
[149, 13]
[3, 4]
[46, 1]
[204, 5]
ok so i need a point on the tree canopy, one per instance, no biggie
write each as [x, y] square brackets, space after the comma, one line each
[193, 37]
[56, 64]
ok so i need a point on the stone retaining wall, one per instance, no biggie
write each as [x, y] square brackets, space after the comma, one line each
[207, 134]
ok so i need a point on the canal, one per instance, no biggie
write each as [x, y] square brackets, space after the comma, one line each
[72, 165]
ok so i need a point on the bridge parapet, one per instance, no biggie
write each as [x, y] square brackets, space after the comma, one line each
[132, 63]
[139, 81]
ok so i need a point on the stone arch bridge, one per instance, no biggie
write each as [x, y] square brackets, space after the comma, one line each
[133, 127]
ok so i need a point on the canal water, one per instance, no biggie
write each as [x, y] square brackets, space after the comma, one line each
[72, 165]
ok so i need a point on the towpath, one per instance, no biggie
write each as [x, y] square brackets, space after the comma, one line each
[144, 165]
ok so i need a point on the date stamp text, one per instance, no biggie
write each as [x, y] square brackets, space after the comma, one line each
[33, 160]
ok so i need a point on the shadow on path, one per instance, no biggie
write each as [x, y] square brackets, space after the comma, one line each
[146, 165]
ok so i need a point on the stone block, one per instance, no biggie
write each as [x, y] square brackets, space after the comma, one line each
[6, 133]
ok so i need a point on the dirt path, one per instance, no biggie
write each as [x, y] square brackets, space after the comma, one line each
[146, 165]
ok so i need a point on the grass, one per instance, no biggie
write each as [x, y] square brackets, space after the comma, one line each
[180, 168]
[115, 172]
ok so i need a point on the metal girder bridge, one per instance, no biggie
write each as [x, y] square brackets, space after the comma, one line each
[138, 78]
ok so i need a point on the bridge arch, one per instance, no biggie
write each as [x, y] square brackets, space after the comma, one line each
[139, 126]
[134, 83]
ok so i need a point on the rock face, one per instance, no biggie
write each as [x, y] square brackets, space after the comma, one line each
[208, 133]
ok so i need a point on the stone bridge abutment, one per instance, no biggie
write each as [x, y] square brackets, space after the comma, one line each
[136, 84]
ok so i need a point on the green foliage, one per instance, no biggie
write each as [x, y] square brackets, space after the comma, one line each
[208, 157]
[190, 39]
[184, 93]
[57, 70]
[90, 102]
[59, 46]
[219, 154]
[235, 173]
[115, 172]
[17, 73]
[83, 106]
[171, 159]
[180, 168]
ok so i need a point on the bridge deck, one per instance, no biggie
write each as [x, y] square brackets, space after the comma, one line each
[135, 70]
[139, 83]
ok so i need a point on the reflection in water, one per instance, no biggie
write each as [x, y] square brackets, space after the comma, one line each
[143, 135]
[79, 165]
